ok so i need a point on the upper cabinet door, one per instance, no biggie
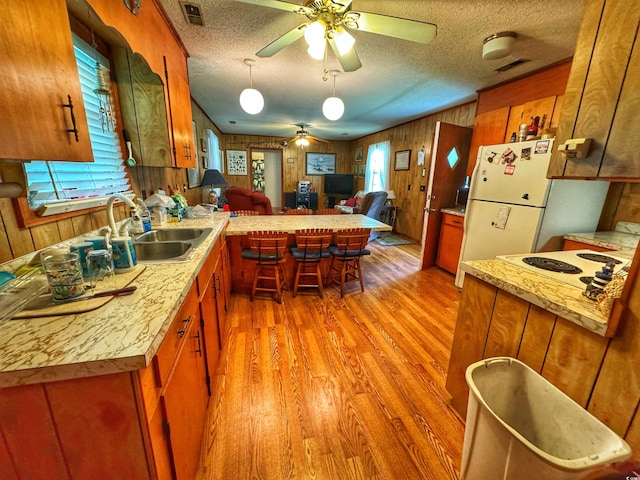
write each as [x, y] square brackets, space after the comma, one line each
[40, 100]
[181, 120]
[601, 99]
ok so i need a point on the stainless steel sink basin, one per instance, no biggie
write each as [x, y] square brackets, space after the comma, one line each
[171, 235]
[168, 245]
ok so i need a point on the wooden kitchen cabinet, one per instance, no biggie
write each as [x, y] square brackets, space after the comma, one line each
[450, 242]
[180, 116]
[601, 100]
[141, 95]
[40, 100]
[144, 424]
[573, 245]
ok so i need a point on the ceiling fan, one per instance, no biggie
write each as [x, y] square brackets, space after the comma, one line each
[303, 137]
[330, 21]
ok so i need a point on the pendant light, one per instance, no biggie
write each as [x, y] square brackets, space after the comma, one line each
[251, 100]
[333, 107]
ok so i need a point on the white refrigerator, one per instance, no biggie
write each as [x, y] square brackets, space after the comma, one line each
[513, 208]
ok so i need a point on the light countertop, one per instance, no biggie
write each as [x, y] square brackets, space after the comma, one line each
[122, 335]
[558, 298]
[290, 223]
[456, 210]
[612, 240]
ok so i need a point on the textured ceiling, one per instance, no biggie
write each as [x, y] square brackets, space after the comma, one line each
[399, 80]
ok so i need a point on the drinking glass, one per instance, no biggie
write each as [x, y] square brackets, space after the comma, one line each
[64, 273]
[100, 273]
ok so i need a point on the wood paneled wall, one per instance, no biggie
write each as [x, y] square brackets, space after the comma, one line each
[406, 184]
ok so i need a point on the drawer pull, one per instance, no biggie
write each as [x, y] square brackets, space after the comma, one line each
[199, 350]
[185, 325]
[73, 130]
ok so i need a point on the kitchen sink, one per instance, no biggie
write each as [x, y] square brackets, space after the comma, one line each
[171, 234]
[168, 245]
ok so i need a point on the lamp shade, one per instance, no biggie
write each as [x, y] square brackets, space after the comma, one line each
[213, 178]
[333, 108]
[391, 195]
[251, 101]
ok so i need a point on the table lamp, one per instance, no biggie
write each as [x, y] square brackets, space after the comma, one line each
[391, 195]
[213, 178]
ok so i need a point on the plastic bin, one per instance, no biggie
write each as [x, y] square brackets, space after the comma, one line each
[521, 426]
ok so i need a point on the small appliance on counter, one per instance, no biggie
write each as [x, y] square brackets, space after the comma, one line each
[462, 194]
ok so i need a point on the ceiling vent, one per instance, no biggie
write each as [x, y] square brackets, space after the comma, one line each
[509, 66]
[192, 13]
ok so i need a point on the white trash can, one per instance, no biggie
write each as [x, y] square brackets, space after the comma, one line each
[519, 426]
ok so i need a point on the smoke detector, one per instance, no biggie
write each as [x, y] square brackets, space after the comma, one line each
[498, 45]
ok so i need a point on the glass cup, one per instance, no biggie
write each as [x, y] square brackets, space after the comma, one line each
[100, 273]
[64, 273]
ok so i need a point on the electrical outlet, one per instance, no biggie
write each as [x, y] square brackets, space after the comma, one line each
[408, 187]
[423, 188]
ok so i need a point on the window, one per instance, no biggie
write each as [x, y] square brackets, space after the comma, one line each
[377, 176]
[68, 186]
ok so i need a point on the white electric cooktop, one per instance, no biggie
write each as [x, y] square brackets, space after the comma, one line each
[573, 267]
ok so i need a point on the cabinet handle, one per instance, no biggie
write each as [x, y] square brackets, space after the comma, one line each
[73, 130]
[199, 350]
[185, 325]
[218, 284]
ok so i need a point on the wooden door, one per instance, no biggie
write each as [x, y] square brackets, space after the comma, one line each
[447, 173]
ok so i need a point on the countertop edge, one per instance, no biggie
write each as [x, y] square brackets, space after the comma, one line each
[558, 298]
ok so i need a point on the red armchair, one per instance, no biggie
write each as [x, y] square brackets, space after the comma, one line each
[240, 198]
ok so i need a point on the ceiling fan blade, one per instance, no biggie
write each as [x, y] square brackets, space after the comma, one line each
[291, 7]
[317, 139]
[412, 30]
[283, 41]
[349, 61]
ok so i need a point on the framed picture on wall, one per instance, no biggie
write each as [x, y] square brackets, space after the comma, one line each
[236, 162]
[320, 163]
[402, 160]
[359, 154]
[193, 174]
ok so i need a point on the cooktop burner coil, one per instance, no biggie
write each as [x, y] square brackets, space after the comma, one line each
[552, 265]
[596, 257]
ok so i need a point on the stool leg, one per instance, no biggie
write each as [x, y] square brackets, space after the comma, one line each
[357, 262]
[326, 282]
[276, 273]
[343, 275]
[295, 282]
[319, 275]
[256, 276]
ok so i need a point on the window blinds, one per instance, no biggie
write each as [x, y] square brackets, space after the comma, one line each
[58, 181]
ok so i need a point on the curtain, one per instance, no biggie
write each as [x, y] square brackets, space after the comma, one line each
[378, 160]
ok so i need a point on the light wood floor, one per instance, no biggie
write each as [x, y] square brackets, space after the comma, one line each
[339, 388]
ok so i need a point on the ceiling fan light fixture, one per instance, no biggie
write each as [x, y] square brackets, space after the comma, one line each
[333, 108]
[251, 100]
[344, 40]
[302, 142]
[314, 33]
[316, 51]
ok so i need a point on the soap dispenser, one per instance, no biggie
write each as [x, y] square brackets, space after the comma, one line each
[124, 255]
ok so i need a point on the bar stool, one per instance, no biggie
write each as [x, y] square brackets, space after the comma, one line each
[349, 245]
[311, 247]
[327, 211]
[268, 249]
[246, 213]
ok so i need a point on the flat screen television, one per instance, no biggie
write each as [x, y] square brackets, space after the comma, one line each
[338, 184]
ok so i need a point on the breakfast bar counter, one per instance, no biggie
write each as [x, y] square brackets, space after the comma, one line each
[290, 223]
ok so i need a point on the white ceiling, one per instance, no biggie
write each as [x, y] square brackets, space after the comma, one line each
[399, 80]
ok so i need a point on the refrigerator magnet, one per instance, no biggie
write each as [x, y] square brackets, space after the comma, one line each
[525, 154]
[509, 169]
[508, 156]
[542, 146]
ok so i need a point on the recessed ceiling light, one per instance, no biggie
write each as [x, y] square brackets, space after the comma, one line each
[232, 122]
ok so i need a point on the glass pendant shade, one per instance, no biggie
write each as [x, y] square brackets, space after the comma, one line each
[314, 35]
[333, 108]
[302, 142]
[316, 51]
[251, 101]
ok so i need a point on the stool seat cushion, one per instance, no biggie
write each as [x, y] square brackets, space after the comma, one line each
[249, 255]
[334, 250]
[302, 255]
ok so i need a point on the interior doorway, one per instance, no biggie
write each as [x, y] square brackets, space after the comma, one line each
[447, 171]
[266, 173]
